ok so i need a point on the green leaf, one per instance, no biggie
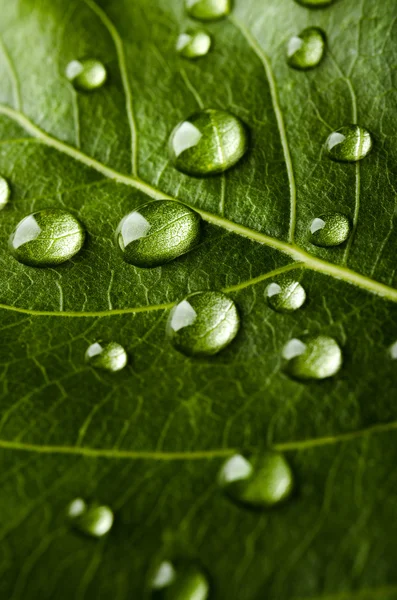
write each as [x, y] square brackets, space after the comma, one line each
[149, 440]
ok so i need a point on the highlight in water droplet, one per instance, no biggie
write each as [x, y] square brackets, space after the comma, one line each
[306, 50]
[108, 357]
[86, 75]
[208, 10]
[330, 229]
[393, 351]
[349, 143]
[91, 519]
[317, 357]
[285, 296]
[5, 192]
[179, 582]
[193, 43]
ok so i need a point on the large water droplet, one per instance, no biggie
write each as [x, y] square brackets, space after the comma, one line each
[312, 358]
[208, 142]
[182, 582]
[286, 296]
[108, 357]
[91, 519]
[193, 44]
[86, 75]
[5, 192]
[349, 143]
[259, 481]
[203, 324]
[330, 229]
[157, 233]
[47, 238]
[208, 10]
[315, 3]
[306, 50]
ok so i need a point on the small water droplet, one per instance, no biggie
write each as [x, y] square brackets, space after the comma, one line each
[208, 10]
[182, 582]
[315, 3]
[193, 44]
[286, 296]
[108, 357]
[86, 75]
[5, 192]
[47, 238]
[312, 358]
[393, 351]
[158, 232]
[349, 143]
[203, 324]
[92, 519]
[330, 229]
[207, 143]
[306, 50]
[258, 481]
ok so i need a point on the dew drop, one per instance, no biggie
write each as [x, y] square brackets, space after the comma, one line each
[108, 357]
[47, 238]
[315, 3]
[306, 50]
[208, 10]
[92, 519]
[183, 582]
[158, 232]
[193, 44]
[286, 296]
[258, 481]
[207, 143]
[203, 324]
[349, 143]
[312, 358]
[330, 229]
[86, 75]
[5, 192]
[393, 351]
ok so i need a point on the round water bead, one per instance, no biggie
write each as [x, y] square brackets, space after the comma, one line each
[182, 582]
[47, 238]
[315, 3]
[158, 232]
[312, 358]
[330, 229]
[193, 44]
[306, 50]
[208, 142]
[203, 323]
[258, 481]
[108, 357]
[91, 519]
[86, 75]
[208, 10]
[5, 192]
[285, 296]
[349, 143]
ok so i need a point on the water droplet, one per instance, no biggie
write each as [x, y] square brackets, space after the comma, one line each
[286, 296]
[185, 582]
[312, 358]
[259, 481]
[193, 44]
[330, 229]
[349, 143]
[207, 143]
[306, 50]
[47, 238]
[208, 10]
[393, 351]
[5, 192]
[203, 324]
[86, 75]
[157, 233]
[91, 519]
[108, 357]
[315, 3]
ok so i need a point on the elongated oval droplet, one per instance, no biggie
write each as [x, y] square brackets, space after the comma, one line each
[193, 44]
[312, 358]
[207, 143]
[285, 296]
[208, 10]
[330, 229]
[306, 50]
[5, 192]
[350, 143]
[258, 481]
[315, 3]
[91, 519]
[203, 323]
[47, 238]
[86, 75]
[108, 357]
[157, 233]
[181, 582]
